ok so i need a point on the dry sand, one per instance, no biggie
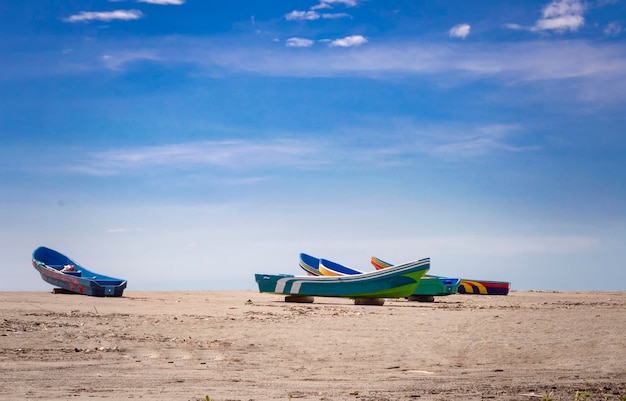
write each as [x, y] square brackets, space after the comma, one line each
[243, 345]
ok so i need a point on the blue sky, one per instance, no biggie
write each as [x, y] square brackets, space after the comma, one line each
[186, 145]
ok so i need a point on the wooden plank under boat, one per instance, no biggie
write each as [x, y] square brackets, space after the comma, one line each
[79, 280]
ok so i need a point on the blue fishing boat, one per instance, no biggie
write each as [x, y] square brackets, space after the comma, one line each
[429, 286]
[61, 271]
[397, 281]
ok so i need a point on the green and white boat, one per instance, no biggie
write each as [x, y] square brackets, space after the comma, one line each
[428, 286]
[398, 281]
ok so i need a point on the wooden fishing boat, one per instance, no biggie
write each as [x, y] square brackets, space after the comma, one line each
[428, 286]
[466, 286]
[61, 271]
[397, 281]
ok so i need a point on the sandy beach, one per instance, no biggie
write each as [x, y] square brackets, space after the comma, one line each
[243, 345]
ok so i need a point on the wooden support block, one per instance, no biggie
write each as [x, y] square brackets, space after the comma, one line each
[422, 298]
[369, 301]
[302, 299]
[61, 291]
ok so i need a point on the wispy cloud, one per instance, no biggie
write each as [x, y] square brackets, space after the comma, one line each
[347, 3]
[349, 41]
[117, 61]
[404, 141]
[335, 15]
[558, 16]
[299, 42]
[88, 16]
[238, 155]
[460, 31]
[470, 142]
[612, 29]
[526, 61]
[325, 4]
[313, 15]
[400, 144]
[596, 68]
[163, 2]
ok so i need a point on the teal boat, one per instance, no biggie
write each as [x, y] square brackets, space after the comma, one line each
[397, 281]
[428, 286]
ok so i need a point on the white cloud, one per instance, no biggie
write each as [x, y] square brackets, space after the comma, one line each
[349, 41]
[312, 14]
[321, 6]
[460, 31]
[299, 42]
[163, 2]
[87, 16]
[560, 8]
[324, 4]
[562, 23]
[302, 15]
[559, 16]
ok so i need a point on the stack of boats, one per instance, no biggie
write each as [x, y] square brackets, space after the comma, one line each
[325, 278]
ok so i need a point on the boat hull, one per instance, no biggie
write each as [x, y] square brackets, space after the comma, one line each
[49, 263]
[483, 287]
[399, 282]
